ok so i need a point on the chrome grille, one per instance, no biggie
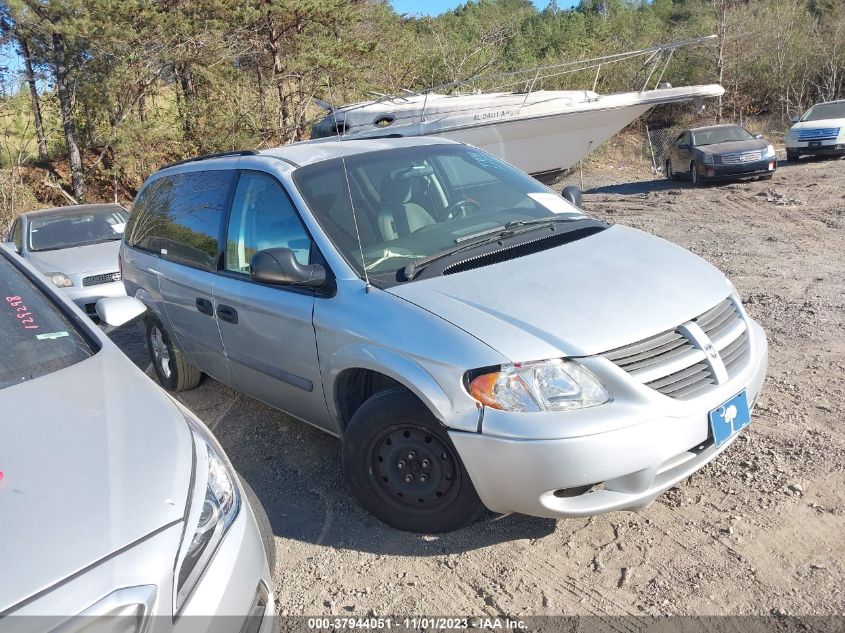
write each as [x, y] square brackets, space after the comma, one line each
[677, 365]
[96, 280]
[739, 158]
[818, 134]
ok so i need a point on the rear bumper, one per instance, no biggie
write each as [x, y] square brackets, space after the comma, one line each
[736, 172]
[632, 464]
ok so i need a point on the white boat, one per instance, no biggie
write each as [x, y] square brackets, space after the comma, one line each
[542, 132]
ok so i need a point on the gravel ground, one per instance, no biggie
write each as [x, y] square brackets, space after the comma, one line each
[760, 531]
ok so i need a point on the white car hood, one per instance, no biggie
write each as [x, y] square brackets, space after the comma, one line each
[94, 457]
[601, 292]
[822, 123]
[78, 259]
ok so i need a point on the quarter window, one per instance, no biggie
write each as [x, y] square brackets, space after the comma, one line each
[262, 217]
[17, 235]
[178, 217]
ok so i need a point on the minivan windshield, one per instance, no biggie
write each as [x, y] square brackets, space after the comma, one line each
[822, 111]
[77, 228]
[36, 338]
[721, 135]
[414, 202]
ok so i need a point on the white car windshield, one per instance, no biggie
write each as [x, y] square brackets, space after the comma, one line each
[415, 202]
[36, 338]
[822, 111]
[64, 230]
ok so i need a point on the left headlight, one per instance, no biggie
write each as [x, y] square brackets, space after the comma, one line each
[770, 151]
[60, 280]
[549, 385]
[214, 506]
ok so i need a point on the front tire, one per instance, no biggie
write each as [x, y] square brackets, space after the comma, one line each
[403, 468]
[693, 174]
[792, 157]
[173, 371]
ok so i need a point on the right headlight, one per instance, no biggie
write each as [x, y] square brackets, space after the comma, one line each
[549, 385]
[214, 506]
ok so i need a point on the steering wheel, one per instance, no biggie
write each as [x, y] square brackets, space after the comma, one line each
[462, 208]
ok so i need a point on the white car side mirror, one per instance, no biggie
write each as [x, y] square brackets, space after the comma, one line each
[118, 311]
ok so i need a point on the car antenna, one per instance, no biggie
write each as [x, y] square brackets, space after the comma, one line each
[337, 129]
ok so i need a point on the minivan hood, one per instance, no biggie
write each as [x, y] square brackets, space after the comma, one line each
[78, 259]
[598, 293]
[94, 457]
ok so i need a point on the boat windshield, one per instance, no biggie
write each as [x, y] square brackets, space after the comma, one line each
[721, 135]
[822, 111]
[414, 202]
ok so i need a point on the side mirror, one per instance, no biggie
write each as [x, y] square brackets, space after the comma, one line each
[795, 119]
[573, 194]
[758, 136]
[278, 267]
[119, 311]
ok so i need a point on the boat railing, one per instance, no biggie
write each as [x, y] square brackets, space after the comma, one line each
[657, 58]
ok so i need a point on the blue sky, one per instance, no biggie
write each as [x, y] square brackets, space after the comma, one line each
[436, 7]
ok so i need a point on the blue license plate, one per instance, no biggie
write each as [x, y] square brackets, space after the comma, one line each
[729, 418]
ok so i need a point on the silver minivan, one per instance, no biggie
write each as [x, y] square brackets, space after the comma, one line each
[473, 338]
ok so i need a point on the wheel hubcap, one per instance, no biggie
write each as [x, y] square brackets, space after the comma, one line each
[413, 468]
[161, 355]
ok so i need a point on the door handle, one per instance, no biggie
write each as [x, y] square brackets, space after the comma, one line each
[227, 313]
[204, 306]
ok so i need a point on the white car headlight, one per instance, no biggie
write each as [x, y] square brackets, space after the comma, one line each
[770, 152]
[60, 280]
[214, 505]
[549, 385]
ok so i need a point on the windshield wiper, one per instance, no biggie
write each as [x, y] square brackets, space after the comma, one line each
[487, 237]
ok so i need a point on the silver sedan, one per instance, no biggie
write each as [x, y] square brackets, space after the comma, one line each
[76, 247]
[116, 500]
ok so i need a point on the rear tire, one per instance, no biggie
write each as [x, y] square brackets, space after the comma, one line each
[173, 371]
[403, 468]
[670, 174]
[265, 529]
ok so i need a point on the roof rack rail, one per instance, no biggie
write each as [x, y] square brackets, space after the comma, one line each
[239, 152]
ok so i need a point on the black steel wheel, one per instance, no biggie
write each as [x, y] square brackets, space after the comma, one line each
[403, 467]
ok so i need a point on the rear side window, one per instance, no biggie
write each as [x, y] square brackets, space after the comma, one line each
[178, 217]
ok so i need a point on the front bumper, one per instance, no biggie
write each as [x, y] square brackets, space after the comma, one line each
[225, 599]
[642, 447]
[825, 148]
[735, 172]
[86, 297]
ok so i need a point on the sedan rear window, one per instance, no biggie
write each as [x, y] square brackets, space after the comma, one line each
[36, 338]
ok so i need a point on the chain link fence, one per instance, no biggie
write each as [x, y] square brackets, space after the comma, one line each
[639, 152]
